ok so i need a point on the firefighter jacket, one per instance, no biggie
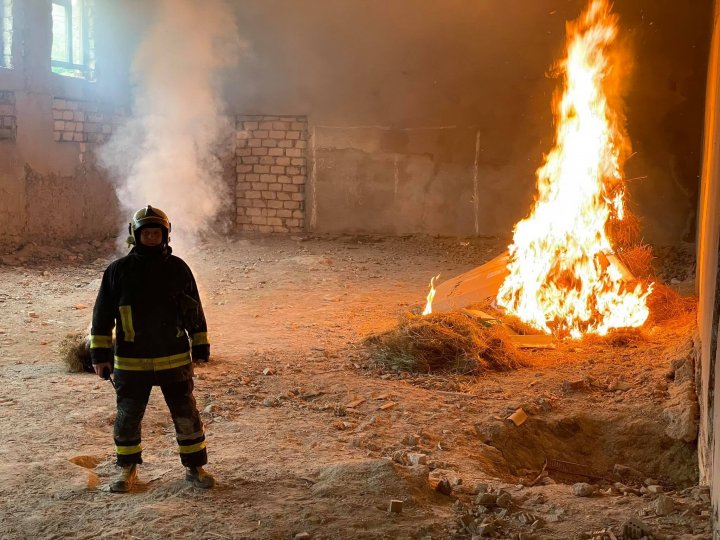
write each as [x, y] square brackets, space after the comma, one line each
[151, 300]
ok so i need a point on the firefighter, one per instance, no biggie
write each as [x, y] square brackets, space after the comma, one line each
[151, 300]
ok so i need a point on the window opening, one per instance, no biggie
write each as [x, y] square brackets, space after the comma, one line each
[72, 51]
[6, 28]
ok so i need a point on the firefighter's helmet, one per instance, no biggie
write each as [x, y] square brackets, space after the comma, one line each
[149, 216]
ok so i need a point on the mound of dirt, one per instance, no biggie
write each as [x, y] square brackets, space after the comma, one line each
[380, 480]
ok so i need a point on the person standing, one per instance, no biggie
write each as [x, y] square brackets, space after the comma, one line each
[151, 300]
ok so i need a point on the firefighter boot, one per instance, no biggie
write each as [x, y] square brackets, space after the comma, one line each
[199, 478]
[125, 480]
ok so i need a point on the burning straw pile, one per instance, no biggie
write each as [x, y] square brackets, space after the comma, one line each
[454, 342]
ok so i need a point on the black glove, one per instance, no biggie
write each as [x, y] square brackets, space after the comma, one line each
[201, 353]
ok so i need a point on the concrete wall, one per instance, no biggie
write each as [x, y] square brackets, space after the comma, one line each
[708, 281]
[416, 105]
[423, 116]
[49, 188]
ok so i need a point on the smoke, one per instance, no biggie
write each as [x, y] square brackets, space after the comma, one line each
[166, 153]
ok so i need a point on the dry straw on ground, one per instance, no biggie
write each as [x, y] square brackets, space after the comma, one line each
[667, 304]
[638, 259]
[451, 342]
[74, 350]
[624, 233]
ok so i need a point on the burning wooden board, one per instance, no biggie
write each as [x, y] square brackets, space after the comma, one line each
[484, 282]
[474, 286]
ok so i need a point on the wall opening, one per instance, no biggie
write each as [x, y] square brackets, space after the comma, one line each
[73, 43]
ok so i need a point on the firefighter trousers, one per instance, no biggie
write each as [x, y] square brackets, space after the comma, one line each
[132, 399]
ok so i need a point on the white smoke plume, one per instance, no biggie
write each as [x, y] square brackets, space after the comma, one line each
[165, 154]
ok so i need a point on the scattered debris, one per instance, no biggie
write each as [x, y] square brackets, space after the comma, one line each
[581, 489]
[634, 529]
[569, 387]
[663, 505]
[518, 417]
[354, 403]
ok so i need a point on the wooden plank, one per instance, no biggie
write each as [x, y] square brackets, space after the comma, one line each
[543, 341]
[474, 286]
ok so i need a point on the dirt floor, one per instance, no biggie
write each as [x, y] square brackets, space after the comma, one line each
[310, 437]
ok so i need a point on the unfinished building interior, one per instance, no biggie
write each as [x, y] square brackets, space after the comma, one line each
[551, 168]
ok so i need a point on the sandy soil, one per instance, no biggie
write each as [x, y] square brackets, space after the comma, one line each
[310, 438]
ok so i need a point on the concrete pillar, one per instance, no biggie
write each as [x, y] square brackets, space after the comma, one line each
[708, 281]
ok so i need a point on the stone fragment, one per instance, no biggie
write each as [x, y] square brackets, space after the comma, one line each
[395, 506]
[486, 499]
[268, 371]
[302, 536]
[400, 456]
[504, 499]
[569, 387]
[444, 487]
[417, 459]
[581, 489]
[654, 489]
[663, 505]
[411, 440]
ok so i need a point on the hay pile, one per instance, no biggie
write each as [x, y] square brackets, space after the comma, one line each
[446, 342]
[74, 351]
[638, 259]
[667, 304]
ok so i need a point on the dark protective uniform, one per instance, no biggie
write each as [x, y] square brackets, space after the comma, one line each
[151, 299]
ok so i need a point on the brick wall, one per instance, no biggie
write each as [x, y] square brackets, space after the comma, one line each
[84, 121]
[8, 118]
[271, 173]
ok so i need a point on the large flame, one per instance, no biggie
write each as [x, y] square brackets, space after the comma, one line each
[560, 277]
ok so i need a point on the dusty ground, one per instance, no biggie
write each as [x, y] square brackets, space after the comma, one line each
[323, 441]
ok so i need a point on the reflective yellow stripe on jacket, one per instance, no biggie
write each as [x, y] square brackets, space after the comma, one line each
[127, 322]
[152, 364]
[200, 338]
[100, 342]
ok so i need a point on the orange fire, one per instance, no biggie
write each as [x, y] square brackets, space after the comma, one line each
[561, 279]
[430, 296]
